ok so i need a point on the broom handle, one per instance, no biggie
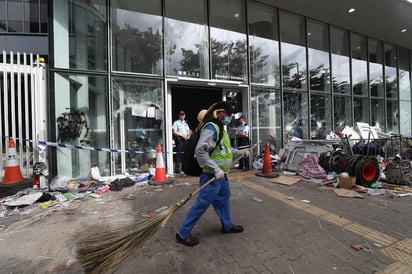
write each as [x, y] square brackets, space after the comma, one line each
[187, 198]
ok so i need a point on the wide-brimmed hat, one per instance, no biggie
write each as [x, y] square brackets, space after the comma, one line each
[201, 115]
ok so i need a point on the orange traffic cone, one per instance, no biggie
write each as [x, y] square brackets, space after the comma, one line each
[160, 175]
[267, 165]
[12, 173]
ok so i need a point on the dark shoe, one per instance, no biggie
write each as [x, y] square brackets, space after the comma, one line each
[234, 229]
[190, 241]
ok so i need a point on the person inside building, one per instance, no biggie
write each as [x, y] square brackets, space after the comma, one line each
[242, 138]
[298, 128]
[215, 155]
[181, 132]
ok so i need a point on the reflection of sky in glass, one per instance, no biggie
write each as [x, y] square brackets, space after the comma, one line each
[340, 72]
[292, 54]
[184, 35]
[390, 74]
[138, 20]
[267, 48]
[375, 73]
[318, 58]
[359, 71]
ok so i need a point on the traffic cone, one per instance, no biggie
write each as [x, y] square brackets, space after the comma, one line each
[160, 174]
[267, 165]
[12, 173]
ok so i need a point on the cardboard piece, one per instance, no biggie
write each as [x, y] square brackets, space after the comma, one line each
[347, 193]
[285, 180]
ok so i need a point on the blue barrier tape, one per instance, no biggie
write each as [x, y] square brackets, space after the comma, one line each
[99, 149]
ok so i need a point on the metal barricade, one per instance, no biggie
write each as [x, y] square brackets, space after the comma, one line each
[23, 108]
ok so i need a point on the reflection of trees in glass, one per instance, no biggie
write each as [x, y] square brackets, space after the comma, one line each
[140, 49]
[293, 80]
[258, 62]
[340, 87]
[319, 77]
[375, 86]
[391, 84]
[191, 60]
[229, 59]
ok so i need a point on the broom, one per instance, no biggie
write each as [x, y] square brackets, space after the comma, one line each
[105, 251]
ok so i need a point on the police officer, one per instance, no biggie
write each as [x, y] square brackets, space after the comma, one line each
[242, 138]
[181, 132]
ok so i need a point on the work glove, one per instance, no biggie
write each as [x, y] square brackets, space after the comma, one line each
[219, 174]
[246, 153]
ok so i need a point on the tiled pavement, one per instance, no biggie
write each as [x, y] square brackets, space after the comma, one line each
[304, 228]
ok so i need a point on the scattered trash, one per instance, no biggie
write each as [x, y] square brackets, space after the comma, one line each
[47, 204]
[376, 192]
[403, 194]
[359, 247]
[24, 200]
[161, 209]
[305, 201]
[256, 199]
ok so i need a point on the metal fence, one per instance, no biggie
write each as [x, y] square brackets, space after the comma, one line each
[23, 108]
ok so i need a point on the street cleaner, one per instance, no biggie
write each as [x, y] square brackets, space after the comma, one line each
[215, 155]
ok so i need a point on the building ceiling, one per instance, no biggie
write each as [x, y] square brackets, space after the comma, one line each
[380, 19]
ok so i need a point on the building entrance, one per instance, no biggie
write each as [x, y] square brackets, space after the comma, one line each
[191, 100]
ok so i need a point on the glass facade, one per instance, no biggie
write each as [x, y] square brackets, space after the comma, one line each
[80, 35]
[318, 56]
[266, 115]
[137, 36]
[137, 119]
[293, 51]
[228, 40]
[22, 16]
[81, 109]
[263, 45]
[405, 98]
[300, 77]
[187, 38]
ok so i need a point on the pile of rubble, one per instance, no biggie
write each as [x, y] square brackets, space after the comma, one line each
[64, 190]
[357, 159]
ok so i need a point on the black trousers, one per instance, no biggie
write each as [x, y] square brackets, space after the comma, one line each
[180, 143]
[244, 162]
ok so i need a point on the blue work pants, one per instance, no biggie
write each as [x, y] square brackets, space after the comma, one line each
[216, 193]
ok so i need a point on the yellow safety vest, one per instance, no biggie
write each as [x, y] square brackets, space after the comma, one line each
[222, 154]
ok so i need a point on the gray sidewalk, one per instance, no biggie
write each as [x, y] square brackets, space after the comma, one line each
[304, 228]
